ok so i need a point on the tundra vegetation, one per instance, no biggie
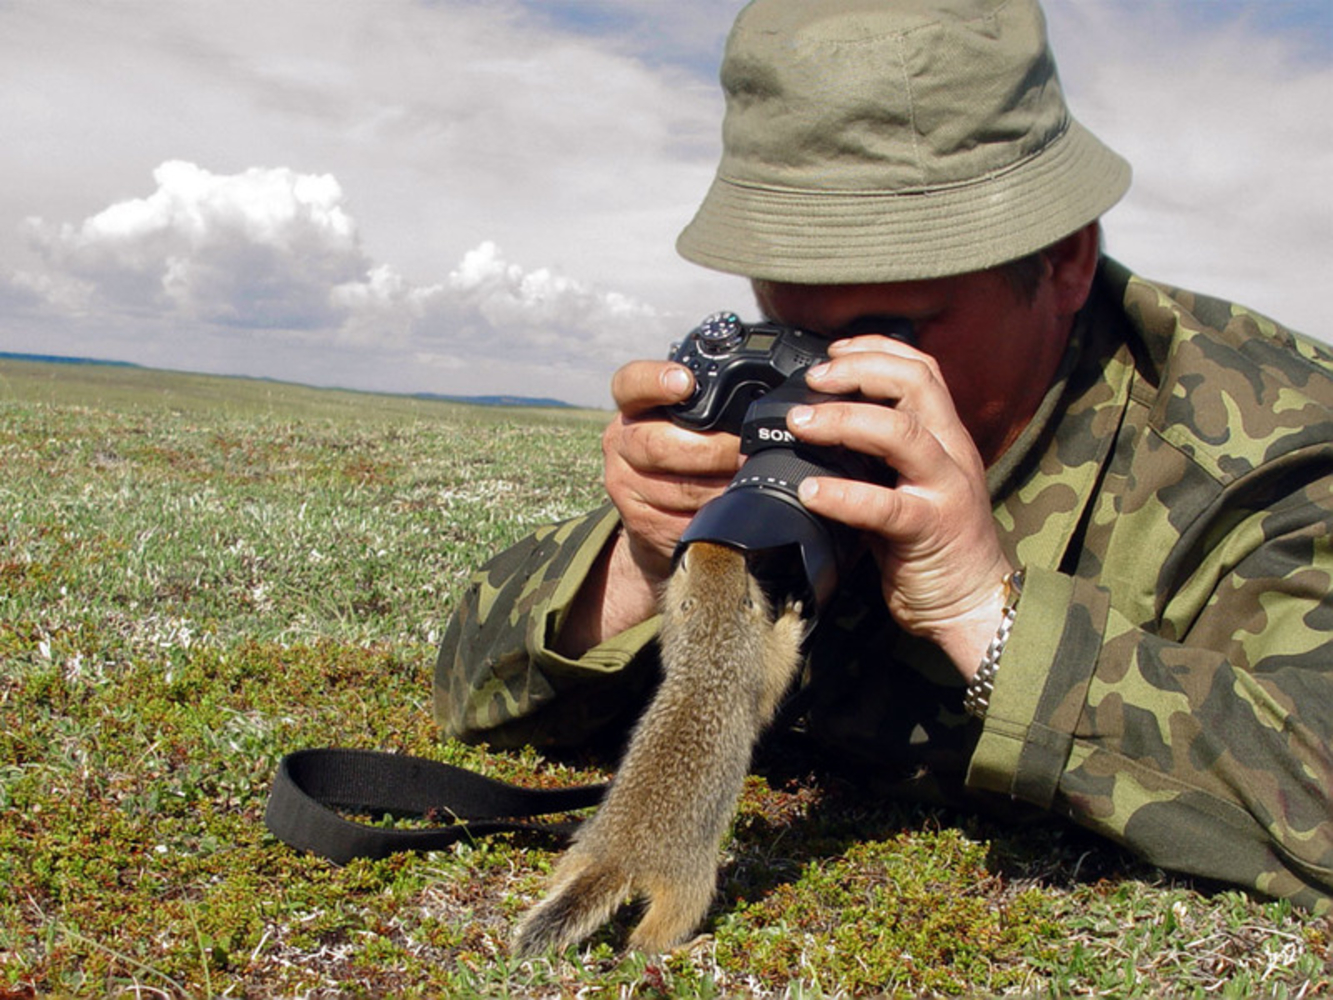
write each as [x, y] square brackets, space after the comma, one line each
[198, 575]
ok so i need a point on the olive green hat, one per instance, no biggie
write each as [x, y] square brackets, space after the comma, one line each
[890, 140]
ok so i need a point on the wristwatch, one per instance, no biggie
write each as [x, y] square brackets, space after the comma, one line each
[976, 700]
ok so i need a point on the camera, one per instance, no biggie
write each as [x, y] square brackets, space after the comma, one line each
[734, 363]
[747, 377]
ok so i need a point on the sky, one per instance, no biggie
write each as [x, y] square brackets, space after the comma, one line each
[482, 196]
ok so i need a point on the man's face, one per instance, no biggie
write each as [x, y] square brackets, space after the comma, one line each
[996, 350]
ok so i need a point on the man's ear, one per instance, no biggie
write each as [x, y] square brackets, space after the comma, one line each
[1073, 262]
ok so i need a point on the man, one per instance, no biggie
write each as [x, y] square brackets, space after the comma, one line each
[1157, 463]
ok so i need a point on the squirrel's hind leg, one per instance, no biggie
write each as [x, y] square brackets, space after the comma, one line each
[675, 910]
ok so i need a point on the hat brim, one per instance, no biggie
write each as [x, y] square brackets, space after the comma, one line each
[828, 236]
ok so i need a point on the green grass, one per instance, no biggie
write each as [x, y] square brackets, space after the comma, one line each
[198, 575]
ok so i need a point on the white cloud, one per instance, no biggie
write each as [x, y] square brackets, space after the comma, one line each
[260, 249]
[454, 122]
[32, 291]
[547, 310]
[493, 309]
[273, 255]
[1230, 134]
[406, 143]
[447, 125]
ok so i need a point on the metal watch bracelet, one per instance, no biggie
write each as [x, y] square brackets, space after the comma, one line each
[976, 700]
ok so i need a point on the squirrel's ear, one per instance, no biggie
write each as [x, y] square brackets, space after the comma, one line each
[682, 559]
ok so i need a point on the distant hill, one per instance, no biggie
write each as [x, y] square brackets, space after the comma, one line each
[530, 401]
[56, 359]
[495, 400]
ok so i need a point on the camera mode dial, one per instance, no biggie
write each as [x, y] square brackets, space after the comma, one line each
[719, 333]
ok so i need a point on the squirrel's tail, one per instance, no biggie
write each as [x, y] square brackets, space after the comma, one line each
[581, 901]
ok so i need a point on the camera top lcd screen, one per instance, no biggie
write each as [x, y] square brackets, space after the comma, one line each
[760, 341]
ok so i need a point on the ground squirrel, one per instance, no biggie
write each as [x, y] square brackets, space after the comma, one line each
[726, 664]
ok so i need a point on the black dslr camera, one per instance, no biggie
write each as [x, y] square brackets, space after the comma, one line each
[747, 376]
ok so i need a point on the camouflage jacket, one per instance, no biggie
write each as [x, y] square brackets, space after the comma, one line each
[1169, 678]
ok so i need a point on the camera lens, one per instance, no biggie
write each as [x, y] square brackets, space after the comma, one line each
[760, 512]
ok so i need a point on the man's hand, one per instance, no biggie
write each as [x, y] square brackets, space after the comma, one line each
[932, 534]
[658, 475]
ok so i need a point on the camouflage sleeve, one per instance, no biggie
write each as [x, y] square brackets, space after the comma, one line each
[1203, 742]
[497, 679]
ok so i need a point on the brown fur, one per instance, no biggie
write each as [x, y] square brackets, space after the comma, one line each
[726, 664]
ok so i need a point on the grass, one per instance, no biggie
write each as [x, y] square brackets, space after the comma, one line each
[199, 575]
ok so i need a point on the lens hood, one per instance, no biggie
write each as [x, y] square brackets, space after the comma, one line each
[765, 522]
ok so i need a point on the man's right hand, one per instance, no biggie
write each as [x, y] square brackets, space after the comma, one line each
[658, 475]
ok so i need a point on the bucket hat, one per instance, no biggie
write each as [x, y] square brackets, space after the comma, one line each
[892, 140]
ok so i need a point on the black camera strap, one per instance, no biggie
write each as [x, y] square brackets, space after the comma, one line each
[312, 785]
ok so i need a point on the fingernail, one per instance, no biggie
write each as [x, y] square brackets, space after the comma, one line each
[808, 490]
[818, 371]
[799, 416]
[676, 381]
